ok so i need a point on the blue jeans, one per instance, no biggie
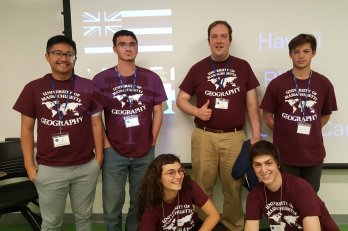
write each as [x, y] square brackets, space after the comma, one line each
[116, 169]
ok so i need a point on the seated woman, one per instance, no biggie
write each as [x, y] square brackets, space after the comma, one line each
[166, 198]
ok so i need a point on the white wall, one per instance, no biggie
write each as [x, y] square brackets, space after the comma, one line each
[26, 26]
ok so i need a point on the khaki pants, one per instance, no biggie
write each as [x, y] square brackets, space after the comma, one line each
[212, 154]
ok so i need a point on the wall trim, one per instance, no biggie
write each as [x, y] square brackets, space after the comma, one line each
[98, 218]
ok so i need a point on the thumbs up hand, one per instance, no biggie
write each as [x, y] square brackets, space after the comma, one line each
[204, 113]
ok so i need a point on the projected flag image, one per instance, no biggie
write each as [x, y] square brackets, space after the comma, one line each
[152, 27]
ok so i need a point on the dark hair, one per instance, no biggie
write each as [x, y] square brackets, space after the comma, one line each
[151, 189]
[303, 39]
[59, 39]
[263, 147]
[213, 24]
[123, 33]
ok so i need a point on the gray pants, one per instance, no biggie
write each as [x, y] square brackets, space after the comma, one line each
[55, 183]
[311, 174]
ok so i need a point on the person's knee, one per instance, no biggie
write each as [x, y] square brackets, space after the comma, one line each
[83, 215]
[53, 222]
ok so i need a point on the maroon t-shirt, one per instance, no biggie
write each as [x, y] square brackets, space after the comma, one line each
[178, 213]
[282, 100]
[288, 206]
[230, 80]
[127, 99]
[38, 100]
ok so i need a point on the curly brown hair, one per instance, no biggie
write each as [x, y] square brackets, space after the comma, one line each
[151, 190]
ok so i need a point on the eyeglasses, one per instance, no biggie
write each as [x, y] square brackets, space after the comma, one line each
[172, 172]
[59, 54]
[125, 45]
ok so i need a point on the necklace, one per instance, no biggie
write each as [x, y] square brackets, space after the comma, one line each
[177, 215]
[281, 198]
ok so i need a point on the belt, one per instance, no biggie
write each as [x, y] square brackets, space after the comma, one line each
[219, 130]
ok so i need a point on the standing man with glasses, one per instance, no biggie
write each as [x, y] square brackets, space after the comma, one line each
[133, 118]
[68, 112]
[225, 87]
[296, 105]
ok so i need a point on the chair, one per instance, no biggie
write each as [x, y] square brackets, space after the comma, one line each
[16, 139]
[15, 196]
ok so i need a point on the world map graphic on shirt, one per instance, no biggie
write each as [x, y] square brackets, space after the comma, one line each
[174, 220]
[53, 101]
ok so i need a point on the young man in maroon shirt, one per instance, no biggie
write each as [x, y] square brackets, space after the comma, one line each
[67, 109]
[225, 87]
[296, 105]
[288, 202]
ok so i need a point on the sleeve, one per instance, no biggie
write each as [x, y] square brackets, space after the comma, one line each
[199, 197]
[98, 100]
[98, 80]
[252, 81]
[253, 205]
[159, 92]
[25, 102]
[269, 100]
[188, 84]
[329, 104]
[147, 222]
[306, 200]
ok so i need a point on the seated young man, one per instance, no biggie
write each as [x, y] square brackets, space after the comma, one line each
[288, 202]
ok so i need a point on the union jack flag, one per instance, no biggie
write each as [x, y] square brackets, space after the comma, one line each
[152, 27]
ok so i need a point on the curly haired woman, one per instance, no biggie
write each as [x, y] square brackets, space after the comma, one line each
[167, 197]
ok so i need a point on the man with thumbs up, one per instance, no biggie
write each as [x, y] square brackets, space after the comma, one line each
[224, 86]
